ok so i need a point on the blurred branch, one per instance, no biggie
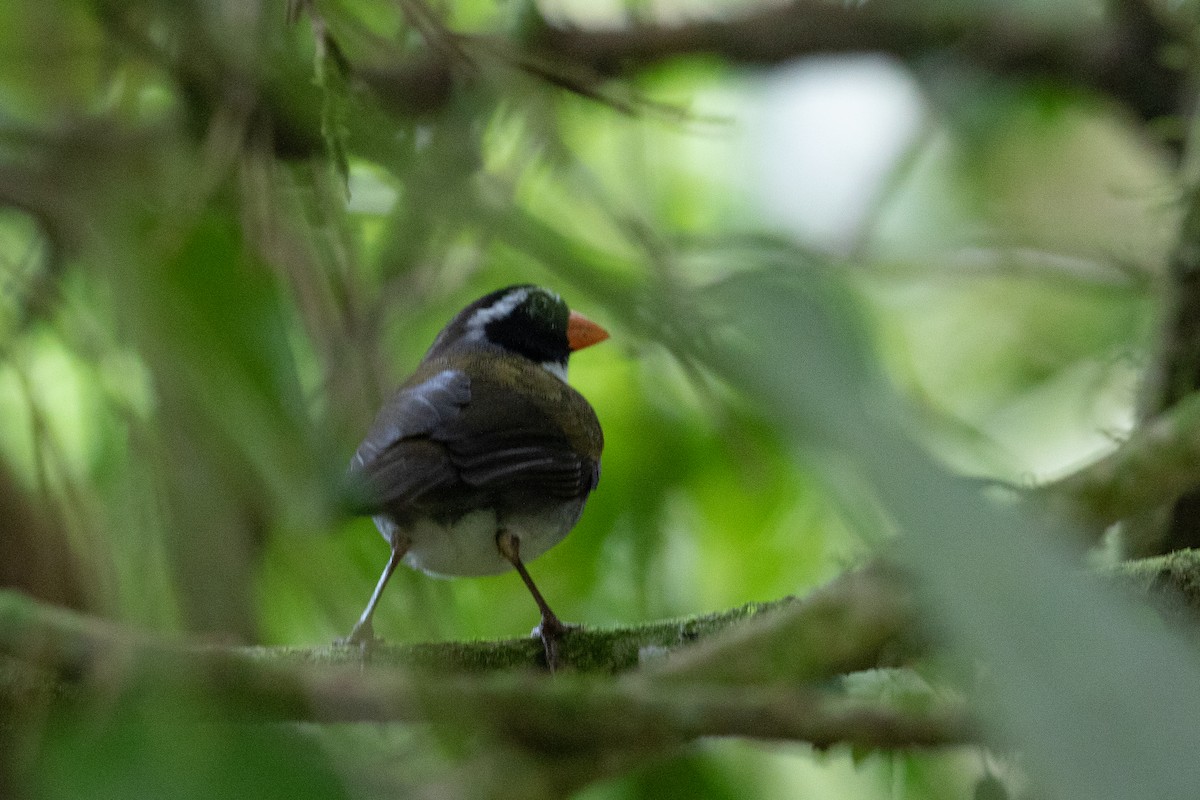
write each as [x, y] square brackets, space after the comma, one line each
[848, 625]
[1159, 463]
[1121, 58]
[1174, 373]
[1174, 577]
[35, 553]
[29, 191]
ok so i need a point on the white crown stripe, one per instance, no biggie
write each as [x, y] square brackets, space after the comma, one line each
[501, 308]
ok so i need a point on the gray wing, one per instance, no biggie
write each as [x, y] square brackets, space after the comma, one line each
[397, 460]
[536, 458]
[430, 439]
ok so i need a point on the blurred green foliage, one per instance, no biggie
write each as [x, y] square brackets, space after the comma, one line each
[213, 271]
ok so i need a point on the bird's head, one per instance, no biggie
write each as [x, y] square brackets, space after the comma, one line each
[524, 320]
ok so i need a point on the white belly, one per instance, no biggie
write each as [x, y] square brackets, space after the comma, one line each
[468, 547]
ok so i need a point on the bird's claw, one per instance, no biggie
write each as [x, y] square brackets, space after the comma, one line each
[551, 630]
[362, 635]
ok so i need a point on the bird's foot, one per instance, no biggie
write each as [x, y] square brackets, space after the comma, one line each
[362, 635]
[551, 630]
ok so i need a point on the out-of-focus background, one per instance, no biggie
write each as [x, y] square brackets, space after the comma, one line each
[229, 229]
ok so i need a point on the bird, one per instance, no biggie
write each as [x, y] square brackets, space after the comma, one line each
[484, 457]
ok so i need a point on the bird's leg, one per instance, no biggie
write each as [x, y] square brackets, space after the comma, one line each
[551, 629]
[363, 633]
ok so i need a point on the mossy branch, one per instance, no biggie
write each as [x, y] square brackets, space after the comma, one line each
[681, 692]
[1157, 464]
[848, 624]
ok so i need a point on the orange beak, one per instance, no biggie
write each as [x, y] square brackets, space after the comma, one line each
[582, 332]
